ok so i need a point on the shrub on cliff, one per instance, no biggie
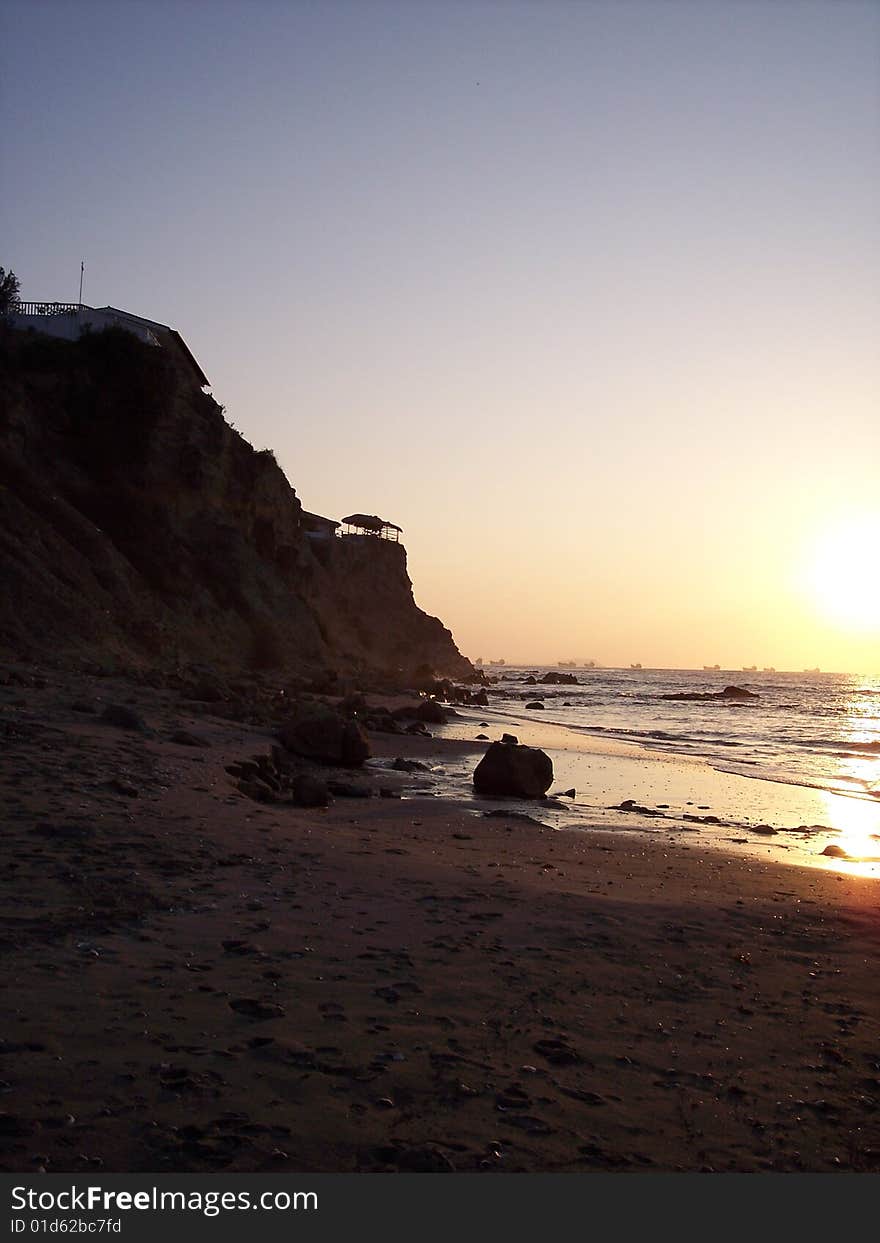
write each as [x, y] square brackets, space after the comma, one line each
[9, 288]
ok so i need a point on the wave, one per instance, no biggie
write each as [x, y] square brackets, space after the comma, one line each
[792, 738]
[789, 779]
[838, 747]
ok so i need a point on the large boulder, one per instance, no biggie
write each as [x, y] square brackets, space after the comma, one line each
[508, 769]
[323, 735]
[428, 711]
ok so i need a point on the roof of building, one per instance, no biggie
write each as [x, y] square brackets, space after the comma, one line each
[369, 522]
[172, 332]
[318, 520]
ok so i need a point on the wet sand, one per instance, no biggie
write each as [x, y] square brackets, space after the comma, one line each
[195, 981]
[742, 814]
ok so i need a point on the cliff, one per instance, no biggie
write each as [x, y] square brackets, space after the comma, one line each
[136, 524]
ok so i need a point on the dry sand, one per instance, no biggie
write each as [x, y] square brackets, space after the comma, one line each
[199, 982]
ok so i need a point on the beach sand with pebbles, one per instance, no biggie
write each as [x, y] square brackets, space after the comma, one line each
[195, 981]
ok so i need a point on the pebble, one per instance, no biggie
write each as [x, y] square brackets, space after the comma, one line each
[123, 717]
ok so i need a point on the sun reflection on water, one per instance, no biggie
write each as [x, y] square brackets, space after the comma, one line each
[857, 819]
[858, 822]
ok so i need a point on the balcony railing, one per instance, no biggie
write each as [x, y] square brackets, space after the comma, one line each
[49, 308]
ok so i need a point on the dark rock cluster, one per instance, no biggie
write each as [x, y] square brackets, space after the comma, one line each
[736, 693]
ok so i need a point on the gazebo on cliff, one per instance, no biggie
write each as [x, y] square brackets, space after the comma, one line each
[369, 524]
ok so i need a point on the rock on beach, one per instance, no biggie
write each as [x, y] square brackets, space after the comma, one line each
[517, 771]
[327, 737]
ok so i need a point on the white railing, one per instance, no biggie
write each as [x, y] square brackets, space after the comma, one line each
[48, 308]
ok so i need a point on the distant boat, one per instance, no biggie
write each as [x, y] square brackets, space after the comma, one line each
[635, 666]
[711, 668]
[816, 670]
[567, 664]
[769, 668]
[589, 664]
[750, 669]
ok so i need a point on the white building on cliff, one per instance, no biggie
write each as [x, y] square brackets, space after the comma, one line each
[69, 320]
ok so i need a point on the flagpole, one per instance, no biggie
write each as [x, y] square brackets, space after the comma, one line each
[82, 268]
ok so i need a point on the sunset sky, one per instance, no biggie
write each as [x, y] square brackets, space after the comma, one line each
[585, 296]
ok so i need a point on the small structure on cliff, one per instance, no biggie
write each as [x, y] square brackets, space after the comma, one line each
[369, 524]
[316, 527]
[70, 320]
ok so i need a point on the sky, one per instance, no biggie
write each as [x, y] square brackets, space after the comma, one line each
[585, 296]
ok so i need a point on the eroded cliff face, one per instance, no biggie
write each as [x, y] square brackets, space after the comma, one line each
[363, 596]
[136, 524]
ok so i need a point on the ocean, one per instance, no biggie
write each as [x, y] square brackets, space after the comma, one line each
[801, 758]
[820, 730]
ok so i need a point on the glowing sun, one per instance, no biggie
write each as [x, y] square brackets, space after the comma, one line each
[842, 572]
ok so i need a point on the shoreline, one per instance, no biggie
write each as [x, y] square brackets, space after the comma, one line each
[798, 730]
[676, 789]
[200, 982]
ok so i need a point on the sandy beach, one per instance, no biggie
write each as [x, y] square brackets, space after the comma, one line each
[195, 981]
